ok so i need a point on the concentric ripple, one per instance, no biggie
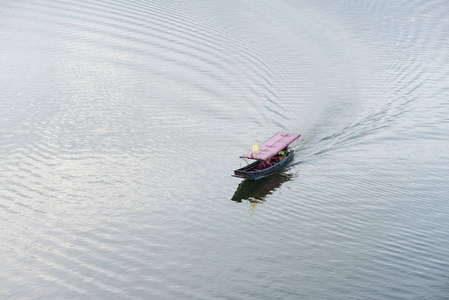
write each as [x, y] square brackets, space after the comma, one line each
[121, 123]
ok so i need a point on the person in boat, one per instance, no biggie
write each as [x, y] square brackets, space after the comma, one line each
[265, 164]
[273, 160]
[281, 154]
[277, 158]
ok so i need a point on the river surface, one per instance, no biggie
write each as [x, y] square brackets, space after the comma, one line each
[121, 123]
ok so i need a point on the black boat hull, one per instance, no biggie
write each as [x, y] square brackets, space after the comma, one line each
[251, 172]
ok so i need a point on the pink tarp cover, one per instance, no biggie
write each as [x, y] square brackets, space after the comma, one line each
[272, 146]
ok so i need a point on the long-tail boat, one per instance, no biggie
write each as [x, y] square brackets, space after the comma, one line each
[269, 157]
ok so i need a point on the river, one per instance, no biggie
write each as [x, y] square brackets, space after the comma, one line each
[122, 123]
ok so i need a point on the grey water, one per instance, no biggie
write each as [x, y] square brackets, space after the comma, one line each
[122, 121]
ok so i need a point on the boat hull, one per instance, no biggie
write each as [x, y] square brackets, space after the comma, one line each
[251, 172]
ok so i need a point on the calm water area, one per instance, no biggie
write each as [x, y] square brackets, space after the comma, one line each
[121, 123]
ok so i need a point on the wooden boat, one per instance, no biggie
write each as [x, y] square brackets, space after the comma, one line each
[271, 156]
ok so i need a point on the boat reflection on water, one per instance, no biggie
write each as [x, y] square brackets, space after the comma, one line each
[257, 190]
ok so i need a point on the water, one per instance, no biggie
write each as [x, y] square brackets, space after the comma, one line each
[122, 121]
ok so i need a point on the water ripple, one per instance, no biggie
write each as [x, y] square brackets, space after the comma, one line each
[122, 120]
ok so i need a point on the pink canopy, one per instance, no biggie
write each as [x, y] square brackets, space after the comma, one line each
[272, 146]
